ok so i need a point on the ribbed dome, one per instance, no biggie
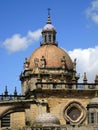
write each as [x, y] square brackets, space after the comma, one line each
[53, 56]
[94, 100]
[46, 119]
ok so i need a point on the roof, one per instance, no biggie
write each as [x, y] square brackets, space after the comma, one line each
[48, 27]
[46, 119]
[53, 56]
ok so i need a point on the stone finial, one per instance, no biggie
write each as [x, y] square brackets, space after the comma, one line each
[96, 79]
[26, 64]
[63, 60]
[15, 92]
[6, 91]
[74, 78]
[74, 64]
[50, 77]
[2, 96]
[62, 76]
[43, 62]
[85, 78]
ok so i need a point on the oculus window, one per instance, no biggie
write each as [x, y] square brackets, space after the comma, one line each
[74, 113]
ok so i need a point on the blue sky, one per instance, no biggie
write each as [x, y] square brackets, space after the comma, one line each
[21, 21]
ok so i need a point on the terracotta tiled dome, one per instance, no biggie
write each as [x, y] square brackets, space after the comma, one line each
[53, 56]
[49, 51]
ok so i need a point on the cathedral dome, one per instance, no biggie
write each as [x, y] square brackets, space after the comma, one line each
[53, 56]
[46, 119]
[49, 55]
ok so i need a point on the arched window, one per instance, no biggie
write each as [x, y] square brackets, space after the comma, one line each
[45, 38]
[92, 118]
[5, 121]
[53, 38]
[49, 38]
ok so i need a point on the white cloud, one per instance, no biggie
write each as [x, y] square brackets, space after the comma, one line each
[87, 61]
[18, 43]
[92, 11]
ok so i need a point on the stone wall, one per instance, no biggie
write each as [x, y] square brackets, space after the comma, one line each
[17, 120]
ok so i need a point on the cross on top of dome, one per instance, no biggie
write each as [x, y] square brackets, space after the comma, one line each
[49, 20]
[49, 11]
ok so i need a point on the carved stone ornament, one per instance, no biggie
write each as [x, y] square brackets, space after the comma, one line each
[36, 60]
[26, 64]
[63, 60]
[74, 113]
[43, 62]
[74, 64]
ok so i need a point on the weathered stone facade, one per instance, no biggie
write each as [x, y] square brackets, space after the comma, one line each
[51, 97]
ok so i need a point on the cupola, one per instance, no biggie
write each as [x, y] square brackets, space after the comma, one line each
[48, 32]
